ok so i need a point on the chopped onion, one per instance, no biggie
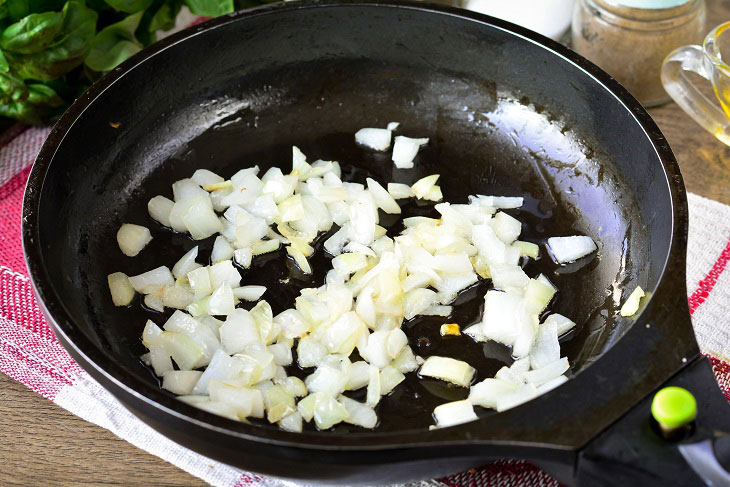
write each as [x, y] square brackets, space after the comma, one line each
[120, 288]
[527, 249]
[377, 139]
[152, 281]
[384, 200]
[488, 392]
[376, 284]
[400, 191]
[405, 150]
[159, 209]
[180, 382]
[222, 250]
[154, 303]
[358, 413]
[562, 324]
[390, 377]
[249, 293]
[548, 372]
[279, 403]
[448, 369]
[546, 348]
[184, 351]
[453, 413]
[300, 259]
[186, 264]
[243, 257]
[570, 249]
[204, 177]
[421, 187]
[631, 306]
[291, 423]
[132, 239]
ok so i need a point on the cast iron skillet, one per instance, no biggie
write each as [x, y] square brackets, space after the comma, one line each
[508, 112]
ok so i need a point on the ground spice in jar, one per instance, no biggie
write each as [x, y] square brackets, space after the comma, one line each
[629, 39]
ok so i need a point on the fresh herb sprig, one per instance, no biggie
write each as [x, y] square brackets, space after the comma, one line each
[51, 50]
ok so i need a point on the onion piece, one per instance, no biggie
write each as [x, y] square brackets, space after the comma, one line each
[546, 348]
[527, 249]
[384, 200]
[222, 250]
[300, 259]
[120, 288]
[243, 257]
[373, 391]
[506, 227]
[421, 187]
[132, 239]
[390, 377]
[538, 295]
[180, 382]
[631, 306]
[377, 139]
[453, 413]
[183, 349]
[405, 150]
[570, 249]
[279, 403]
[400, 191]
[199, 280]
[328, 380]
[291, 423]
[358, 413]
[204, 177]
[238, 331]
[200, 219]
[393, 126]
[152, 281]
[159, 209]
[434, 193]
[519, 396]
[249, 293]
[328, 411]
[488, 392]
[154, 303]
[186, 264]
[562, 324]
[549, 372]
[448, 369]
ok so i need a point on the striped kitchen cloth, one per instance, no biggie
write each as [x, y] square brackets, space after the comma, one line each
[30, 353]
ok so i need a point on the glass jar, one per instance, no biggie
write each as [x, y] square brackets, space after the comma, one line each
[630, 38]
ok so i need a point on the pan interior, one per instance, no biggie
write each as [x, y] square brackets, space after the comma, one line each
[505, 116]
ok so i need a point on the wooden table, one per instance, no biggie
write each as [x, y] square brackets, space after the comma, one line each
[42, 444]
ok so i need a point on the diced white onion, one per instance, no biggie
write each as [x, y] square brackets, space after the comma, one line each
[377, 139]
[132, 239]
[570, 249]
[448, 369]
[405, 150]
[453, 413]
[159, 209]
[120, 288]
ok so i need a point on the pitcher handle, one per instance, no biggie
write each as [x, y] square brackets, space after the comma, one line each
[688, 97]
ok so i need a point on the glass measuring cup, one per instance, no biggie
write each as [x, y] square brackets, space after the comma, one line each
[706, 61]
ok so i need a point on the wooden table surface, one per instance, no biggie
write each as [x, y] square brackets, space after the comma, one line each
[42, 444]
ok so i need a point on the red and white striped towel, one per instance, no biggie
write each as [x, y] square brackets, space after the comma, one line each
[30, 353]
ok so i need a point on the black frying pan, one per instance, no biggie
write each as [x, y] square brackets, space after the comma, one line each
[508, 112]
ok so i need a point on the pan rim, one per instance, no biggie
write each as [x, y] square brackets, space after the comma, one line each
[62, 323]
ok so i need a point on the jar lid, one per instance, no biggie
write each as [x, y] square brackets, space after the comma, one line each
[651, 4]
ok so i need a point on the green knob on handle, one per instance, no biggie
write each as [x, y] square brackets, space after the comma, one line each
[673, 407]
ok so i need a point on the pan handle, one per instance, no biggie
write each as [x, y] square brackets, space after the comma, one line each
[637, 451]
